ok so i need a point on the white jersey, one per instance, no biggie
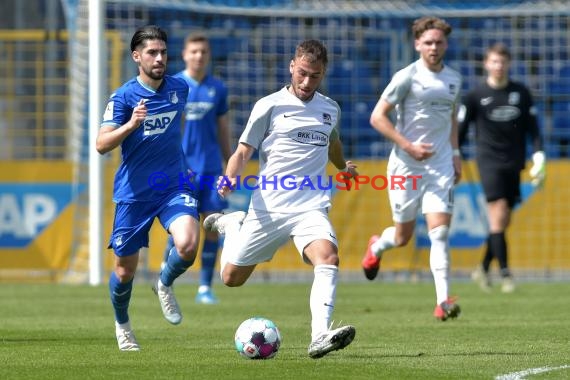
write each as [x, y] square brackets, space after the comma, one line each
[292, 138]
[425, 102]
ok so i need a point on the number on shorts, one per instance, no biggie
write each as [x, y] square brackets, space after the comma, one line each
[188, 200]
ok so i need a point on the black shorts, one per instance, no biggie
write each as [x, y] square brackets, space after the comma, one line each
[501, 183]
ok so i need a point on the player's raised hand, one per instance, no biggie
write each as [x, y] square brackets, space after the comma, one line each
[139, 114]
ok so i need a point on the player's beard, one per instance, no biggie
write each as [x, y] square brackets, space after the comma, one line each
[303, 95]
[156, 75]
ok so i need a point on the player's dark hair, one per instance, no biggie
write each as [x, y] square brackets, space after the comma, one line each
[147, 32]
[500, 49]
[426, 23]
[313, 51]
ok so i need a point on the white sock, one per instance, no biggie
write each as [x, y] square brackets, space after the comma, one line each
[439, 261]
[323, 294]
[203, 288]
[123, 326]
[386, 241]
[228, 244]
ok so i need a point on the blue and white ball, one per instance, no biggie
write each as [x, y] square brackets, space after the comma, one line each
[257, 338]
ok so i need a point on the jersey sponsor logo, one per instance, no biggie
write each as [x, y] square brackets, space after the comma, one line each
[441, 105]
[504, 113]
[158, 124]
[197, 110]
[310, 137]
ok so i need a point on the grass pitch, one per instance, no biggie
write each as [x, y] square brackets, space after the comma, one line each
[67, 332]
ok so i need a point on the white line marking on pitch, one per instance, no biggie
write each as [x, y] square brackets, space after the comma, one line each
[531, 371]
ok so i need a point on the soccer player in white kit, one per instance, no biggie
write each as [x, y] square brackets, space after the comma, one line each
[296, 133]
[425, 96]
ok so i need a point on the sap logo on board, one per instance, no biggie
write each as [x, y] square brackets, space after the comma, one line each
[469, 227]
[27, 209]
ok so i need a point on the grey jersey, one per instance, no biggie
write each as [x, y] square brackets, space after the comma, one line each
[292, 138]
[425, 103]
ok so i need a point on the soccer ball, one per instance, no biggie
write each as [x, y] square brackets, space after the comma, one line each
[257, 338]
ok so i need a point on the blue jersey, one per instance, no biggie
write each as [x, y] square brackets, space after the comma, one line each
[152, 158]
[206, 101]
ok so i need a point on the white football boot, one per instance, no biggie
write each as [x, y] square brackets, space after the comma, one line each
[126, 337]
[222, 222]
[331, 340]
[168, 303]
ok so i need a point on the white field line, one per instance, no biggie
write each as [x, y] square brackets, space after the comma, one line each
[520, 375]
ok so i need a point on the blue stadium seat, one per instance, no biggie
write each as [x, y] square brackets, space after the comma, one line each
[359, 138]
[560, 83]
[347, 76]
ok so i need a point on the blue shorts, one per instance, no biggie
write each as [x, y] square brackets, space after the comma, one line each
[133, 220]
[206, 191]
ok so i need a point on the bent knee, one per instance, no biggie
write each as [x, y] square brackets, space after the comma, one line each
[330, 258]
[402, 240]
[232, 280]
[439, 233]
[187, 250]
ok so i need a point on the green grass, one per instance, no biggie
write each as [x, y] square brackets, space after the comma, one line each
[67, 332]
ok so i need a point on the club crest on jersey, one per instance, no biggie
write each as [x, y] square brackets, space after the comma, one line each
[452, 89]
[173, 97]
[158, 124]
[310, 137]
[211, 92]
[514, 98]
[327, 118]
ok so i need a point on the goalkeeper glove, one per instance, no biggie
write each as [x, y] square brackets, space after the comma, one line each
[538, 169]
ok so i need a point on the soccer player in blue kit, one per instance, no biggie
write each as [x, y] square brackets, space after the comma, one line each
[144, 117]
[206, 145]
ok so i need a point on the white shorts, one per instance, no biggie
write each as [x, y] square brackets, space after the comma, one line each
[433, 192]
[263, 232]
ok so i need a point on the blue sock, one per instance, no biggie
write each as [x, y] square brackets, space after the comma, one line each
[174, 267]
[209, 253]
[169, 246]
[120, 297]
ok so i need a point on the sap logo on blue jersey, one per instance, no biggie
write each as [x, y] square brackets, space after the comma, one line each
[27, 209]
[157, 124]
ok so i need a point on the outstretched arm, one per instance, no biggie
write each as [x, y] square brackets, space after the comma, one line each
[336, 156]
[236, 165]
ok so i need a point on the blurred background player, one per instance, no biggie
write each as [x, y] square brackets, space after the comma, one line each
[504, 117]
[425, 95]
[207, 147]
[144, 116]
[296, 131]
